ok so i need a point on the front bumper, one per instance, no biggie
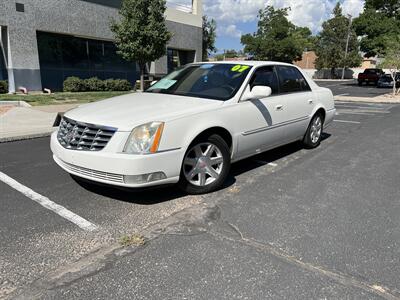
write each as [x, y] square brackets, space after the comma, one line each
[111, 167]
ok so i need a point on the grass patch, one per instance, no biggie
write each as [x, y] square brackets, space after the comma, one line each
[132, 240]
[61, 98]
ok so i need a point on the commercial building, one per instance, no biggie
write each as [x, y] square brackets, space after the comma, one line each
[43, 42]
[307, 60]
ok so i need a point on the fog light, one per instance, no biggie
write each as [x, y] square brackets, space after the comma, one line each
[144, 178]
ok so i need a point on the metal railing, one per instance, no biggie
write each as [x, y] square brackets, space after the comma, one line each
[179, 5]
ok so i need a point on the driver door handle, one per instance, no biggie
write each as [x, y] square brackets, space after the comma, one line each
[279, 107]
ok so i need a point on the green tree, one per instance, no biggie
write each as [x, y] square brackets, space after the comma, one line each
[379, 22]
[140, 33]
[219, 57]
[331, 43]
[276, 37]
[232, 53]
[392, 59]
[209, 36]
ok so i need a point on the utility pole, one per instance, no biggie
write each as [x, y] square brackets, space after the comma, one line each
[347, 43]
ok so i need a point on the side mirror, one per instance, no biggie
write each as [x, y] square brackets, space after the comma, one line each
[257, 92]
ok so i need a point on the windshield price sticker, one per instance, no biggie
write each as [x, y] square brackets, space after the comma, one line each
[163, 84]
[239, 68]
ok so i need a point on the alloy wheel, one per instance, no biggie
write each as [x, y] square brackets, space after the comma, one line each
[203, 164]
[316, 130]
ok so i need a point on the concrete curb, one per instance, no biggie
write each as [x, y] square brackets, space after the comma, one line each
[334, 80]
[15, 103]
[383, 100]
[25, 137]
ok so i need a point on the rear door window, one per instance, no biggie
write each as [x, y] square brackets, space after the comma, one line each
[291, 80]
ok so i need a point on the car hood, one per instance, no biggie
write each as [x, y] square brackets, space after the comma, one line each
[127, 111]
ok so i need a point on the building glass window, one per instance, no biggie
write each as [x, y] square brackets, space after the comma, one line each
[3, 68]
[61, 56]
[173, 60]
[177, 58]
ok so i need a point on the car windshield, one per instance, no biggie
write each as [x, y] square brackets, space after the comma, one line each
[212, 81]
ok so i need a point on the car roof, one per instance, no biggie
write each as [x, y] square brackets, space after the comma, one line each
[253, 63]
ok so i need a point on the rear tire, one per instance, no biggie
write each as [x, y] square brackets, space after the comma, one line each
[206, 165]
[313, 136]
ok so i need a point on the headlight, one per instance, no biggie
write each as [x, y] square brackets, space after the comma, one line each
[144, 138]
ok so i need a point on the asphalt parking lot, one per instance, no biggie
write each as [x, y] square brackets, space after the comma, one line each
[291, 223]
[352, 89]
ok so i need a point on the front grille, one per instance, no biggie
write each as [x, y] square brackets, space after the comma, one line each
[81, 136]
[92, 173]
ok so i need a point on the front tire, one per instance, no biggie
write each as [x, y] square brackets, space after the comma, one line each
[205, 166]
[313, 136]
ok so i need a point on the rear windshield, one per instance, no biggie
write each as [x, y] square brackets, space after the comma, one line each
[372, 71]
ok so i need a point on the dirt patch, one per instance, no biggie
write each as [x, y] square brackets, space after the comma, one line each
[5, 108]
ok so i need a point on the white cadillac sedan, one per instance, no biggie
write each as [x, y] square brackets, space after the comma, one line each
[191, 125]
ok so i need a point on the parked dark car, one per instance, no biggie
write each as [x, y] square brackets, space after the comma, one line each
[386, 80]
[370, 75]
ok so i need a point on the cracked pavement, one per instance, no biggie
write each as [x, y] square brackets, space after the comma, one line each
[315, 224]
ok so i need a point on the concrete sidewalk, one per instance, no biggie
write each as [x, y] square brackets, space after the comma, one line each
[19, 123]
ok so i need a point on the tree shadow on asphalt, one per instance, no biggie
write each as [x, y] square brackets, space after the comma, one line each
[156, 195]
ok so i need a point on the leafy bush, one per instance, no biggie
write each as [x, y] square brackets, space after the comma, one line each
[73, 84]
[121, 85]
[94, 84]
[109, 85]
[3, 87]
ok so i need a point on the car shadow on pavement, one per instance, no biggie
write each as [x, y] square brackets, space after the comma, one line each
[143, 196]
[156, 195]
[265, 158]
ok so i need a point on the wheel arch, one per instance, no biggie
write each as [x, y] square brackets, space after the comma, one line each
[319, 110]
[219, 130]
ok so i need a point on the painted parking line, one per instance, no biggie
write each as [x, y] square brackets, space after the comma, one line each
[345, 121]
[47, 203]
[368, 111]
[353, 113]
[331, 85]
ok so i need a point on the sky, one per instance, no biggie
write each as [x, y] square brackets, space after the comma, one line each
[237, 17]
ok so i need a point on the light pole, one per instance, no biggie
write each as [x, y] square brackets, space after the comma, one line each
[347, 44]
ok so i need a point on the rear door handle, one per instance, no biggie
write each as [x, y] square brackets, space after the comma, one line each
[279, 107]
[310, 101]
